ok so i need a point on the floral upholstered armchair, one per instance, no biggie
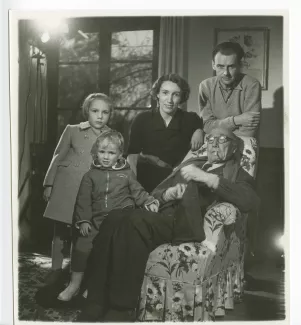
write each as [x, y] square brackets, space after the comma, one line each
[198, 281]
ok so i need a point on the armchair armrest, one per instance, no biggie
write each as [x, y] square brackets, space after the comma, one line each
[220, 215]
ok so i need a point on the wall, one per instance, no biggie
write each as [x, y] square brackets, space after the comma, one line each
[201, 43]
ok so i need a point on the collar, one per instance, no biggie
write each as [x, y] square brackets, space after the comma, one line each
[121, 164]
[174, 124]
[214, 166]
[84, 125]
[238, 84]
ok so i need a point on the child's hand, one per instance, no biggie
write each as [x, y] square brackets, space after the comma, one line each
[153, 207]
[84, 228]
[197, 139]
[47, 193]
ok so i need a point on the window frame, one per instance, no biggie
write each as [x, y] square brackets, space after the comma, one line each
[105, 26]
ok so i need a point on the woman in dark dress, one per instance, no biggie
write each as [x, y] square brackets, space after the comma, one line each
[161, 138]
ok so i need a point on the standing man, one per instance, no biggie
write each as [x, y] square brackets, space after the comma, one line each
[231, 99]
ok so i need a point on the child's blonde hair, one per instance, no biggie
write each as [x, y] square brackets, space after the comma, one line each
[89, 99]
[113, 137]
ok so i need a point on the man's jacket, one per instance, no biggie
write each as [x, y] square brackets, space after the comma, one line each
[236, 186]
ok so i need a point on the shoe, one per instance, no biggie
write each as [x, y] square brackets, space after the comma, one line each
[53, 276]
[90, 314]
[120, 315]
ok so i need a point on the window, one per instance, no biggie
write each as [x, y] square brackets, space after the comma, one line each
[131, 68]
[114, 56]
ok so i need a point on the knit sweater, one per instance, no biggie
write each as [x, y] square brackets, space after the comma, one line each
[216, 111]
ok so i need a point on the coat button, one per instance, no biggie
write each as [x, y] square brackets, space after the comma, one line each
[76, 164]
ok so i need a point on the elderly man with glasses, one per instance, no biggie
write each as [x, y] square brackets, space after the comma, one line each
[125, 239]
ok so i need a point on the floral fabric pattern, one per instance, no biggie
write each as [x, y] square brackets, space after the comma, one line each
[198, 281]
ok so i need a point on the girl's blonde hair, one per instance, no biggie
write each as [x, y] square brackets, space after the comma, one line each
[113, 137]
[89, 99]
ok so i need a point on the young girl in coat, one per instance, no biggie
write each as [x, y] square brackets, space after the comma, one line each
[71, 160]
[109, 185]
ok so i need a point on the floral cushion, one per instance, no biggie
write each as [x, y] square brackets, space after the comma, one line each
[197, 281]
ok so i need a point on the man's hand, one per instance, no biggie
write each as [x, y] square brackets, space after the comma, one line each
[153, 207]
[197, 140]
[84, 228]
[47, 193]
[174, 193]
[193, 173]
[249, 119]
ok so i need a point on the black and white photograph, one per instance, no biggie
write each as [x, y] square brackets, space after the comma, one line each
[148, 165]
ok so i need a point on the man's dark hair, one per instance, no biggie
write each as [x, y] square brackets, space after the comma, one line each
[228, 48]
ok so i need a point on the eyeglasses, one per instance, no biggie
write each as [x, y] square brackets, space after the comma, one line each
[220, 139]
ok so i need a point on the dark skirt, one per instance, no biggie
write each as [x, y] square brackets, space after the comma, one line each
[150, 175]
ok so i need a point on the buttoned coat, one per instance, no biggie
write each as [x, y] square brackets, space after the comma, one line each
[71, 160]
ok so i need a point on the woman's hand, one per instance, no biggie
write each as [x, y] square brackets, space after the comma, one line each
[133, 160]
[197, 139]
[174, 193]
[84, 228]
[47, 193]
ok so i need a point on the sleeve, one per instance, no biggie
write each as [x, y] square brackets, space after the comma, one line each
[170, 181]
[140, 196]
[136, 135]
[83, 205]
[196, 122]
[60, 153]
[210, 121]
[252, 102]
[240, 193]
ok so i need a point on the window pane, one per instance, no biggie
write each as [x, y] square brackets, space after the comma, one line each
[133, 45]
[76, 82]
[130, 84]
[81, 47]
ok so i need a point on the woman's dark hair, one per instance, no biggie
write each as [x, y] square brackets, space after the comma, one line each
[228, 48]
[175, 78]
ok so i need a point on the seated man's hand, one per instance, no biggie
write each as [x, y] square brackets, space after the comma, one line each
[197, 139]
[175, 192]
[84, 228]
[193, 173]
